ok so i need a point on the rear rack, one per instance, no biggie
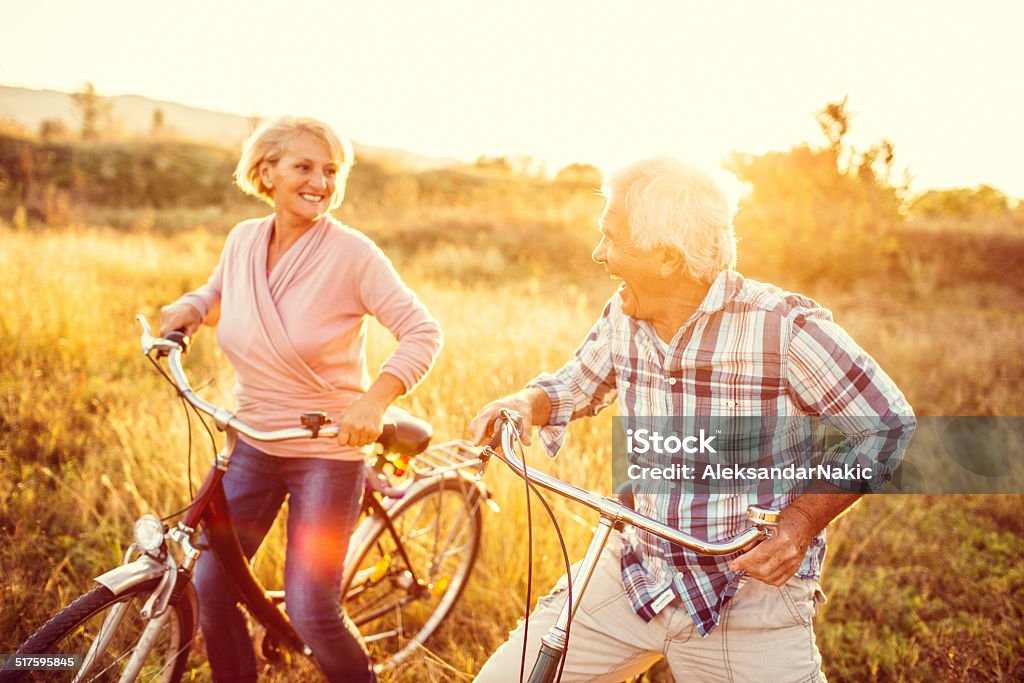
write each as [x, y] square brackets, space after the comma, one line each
[451, 456]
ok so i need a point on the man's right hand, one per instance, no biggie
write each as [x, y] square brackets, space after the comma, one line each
[533, 405]
[184, 317]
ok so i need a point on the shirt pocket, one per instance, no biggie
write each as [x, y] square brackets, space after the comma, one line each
[745, 421]
[749, 396]
[742, 404]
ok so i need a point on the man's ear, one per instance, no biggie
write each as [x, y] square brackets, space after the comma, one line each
[672, 262]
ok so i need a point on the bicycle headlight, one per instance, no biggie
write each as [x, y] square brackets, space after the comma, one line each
[149, 533]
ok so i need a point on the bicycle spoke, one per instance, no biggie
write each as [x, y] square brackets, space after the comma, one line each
[110, 624]
[127, 651]
[455, 552]
[123, 606]
[119, 643]
[172, 659]
[464, 514]
[372, 607]
[437, 531]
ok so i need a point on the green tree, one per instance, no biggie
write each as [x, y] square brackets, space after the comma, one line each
[983, 201]
[498, 164]
[579, 174]
[93, 110]
[834, 120]
[24, 170]
[158, 127]
[53, 129]
[820, 212]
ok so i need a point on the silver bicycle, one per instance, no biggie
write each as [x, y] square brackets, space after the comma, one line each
[614, 515]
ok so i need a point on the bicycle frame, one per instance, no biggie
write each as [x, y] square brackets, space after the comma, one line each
[210, 508]
[143, 613]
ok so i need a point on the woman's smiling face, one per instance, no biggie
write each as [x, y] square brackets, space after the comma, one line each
[303, 181]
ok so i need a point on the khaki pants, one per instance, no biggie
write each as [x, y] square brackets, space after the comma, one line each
[765, 635]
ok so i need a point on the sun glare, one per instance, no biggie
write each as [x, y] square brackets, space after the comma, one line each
[566, 82]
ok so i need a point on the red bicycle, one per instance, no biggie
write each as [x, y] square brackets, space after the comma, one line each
[408, 560]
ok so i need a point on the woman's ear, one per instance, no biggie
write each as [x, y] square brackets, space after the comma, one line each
[265, 175]
[672, 262]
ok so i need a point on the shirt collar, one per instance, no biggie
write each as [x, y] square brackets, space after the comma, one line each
[723, 290]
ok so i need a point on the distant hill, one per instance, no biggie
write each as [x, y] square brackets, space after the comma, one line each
[133, 114]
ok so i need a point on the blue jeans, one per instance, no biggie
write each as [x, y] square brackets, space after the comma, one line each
[323, 508]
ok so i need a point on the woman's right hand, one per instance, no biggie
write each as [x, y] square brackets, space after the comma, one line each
[184, 317]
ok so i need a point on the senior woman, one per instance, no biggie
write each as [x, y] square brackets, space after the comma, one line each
[290, 298]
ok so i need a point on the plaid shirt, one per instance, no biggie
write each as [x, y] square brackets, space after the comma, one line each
[749, 350]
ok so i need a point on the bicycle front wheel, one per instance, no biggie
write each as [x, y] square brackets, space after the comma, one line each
[107, 630]
[398, 602]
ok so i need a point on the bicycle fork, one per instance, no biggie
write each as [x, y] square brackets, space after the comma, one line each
[145, 644]
[107, 631]
[553, 644]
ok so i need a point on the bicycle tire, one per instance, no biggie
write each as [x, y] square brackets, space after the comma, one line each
[394, 616]
[73, 629]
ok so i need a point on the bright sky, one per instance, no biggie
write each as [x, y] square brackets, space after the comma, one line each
[594, 81]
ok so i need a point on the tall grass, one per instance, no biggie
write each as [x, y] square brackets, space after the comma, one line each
[921, 588]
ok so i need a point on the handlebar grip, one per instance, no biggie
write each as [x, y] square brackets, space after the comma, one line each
[495, 440]
[509, 418]
[180, 338]
[387, 435]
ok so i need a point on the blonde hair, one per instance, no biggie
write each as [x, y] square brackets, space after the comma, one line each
[673, 204]
[269, 142]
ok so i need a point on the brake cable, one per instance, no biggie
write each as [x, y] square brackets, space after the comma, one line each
[530, 486]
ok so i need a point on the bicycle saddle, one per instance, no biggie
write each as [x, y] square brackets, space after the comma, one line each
[404, 434]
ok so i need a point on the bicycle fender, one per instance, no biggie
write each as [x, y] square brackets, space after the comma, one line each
[120, 579]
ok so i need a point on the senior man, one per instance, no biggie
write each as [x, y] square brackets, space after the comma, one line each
[686, 335]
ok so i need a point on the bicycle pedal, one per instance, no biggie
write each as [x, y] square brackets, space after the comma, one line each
[270, 650]
[439, 587]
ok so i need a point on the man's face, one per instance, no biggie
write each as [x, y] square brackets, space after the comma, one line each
[642, 289]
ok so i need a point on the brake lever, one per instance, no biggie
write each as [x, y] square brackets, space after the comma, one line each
[512, 418]
[515, 419]
[147, 339]
[162, 345]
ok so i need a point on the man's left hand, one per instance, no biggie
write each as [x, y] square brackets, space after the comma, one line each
[776, 560]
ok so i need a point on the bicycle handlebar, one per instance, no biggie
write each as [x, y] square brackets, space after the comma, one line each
[176, 344]
[761, 518]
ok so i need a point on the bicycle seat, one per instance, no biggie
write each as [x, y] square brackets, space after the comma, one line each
[410, 435]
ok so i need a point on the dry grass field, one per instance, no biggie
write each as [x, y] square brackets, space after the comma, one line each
[921, 588]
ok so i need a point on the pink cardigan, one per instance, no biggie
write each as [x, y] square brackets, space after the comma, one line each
[297, 338]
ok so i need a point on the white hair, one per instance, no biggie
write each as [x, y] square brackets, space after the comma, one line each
[673, 204]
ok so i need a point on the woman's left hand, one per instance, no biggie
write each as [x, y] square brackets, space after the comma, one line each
[361, 422]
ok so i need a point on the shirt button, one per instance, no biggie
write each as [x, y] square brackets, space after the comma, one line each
[672, 380]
